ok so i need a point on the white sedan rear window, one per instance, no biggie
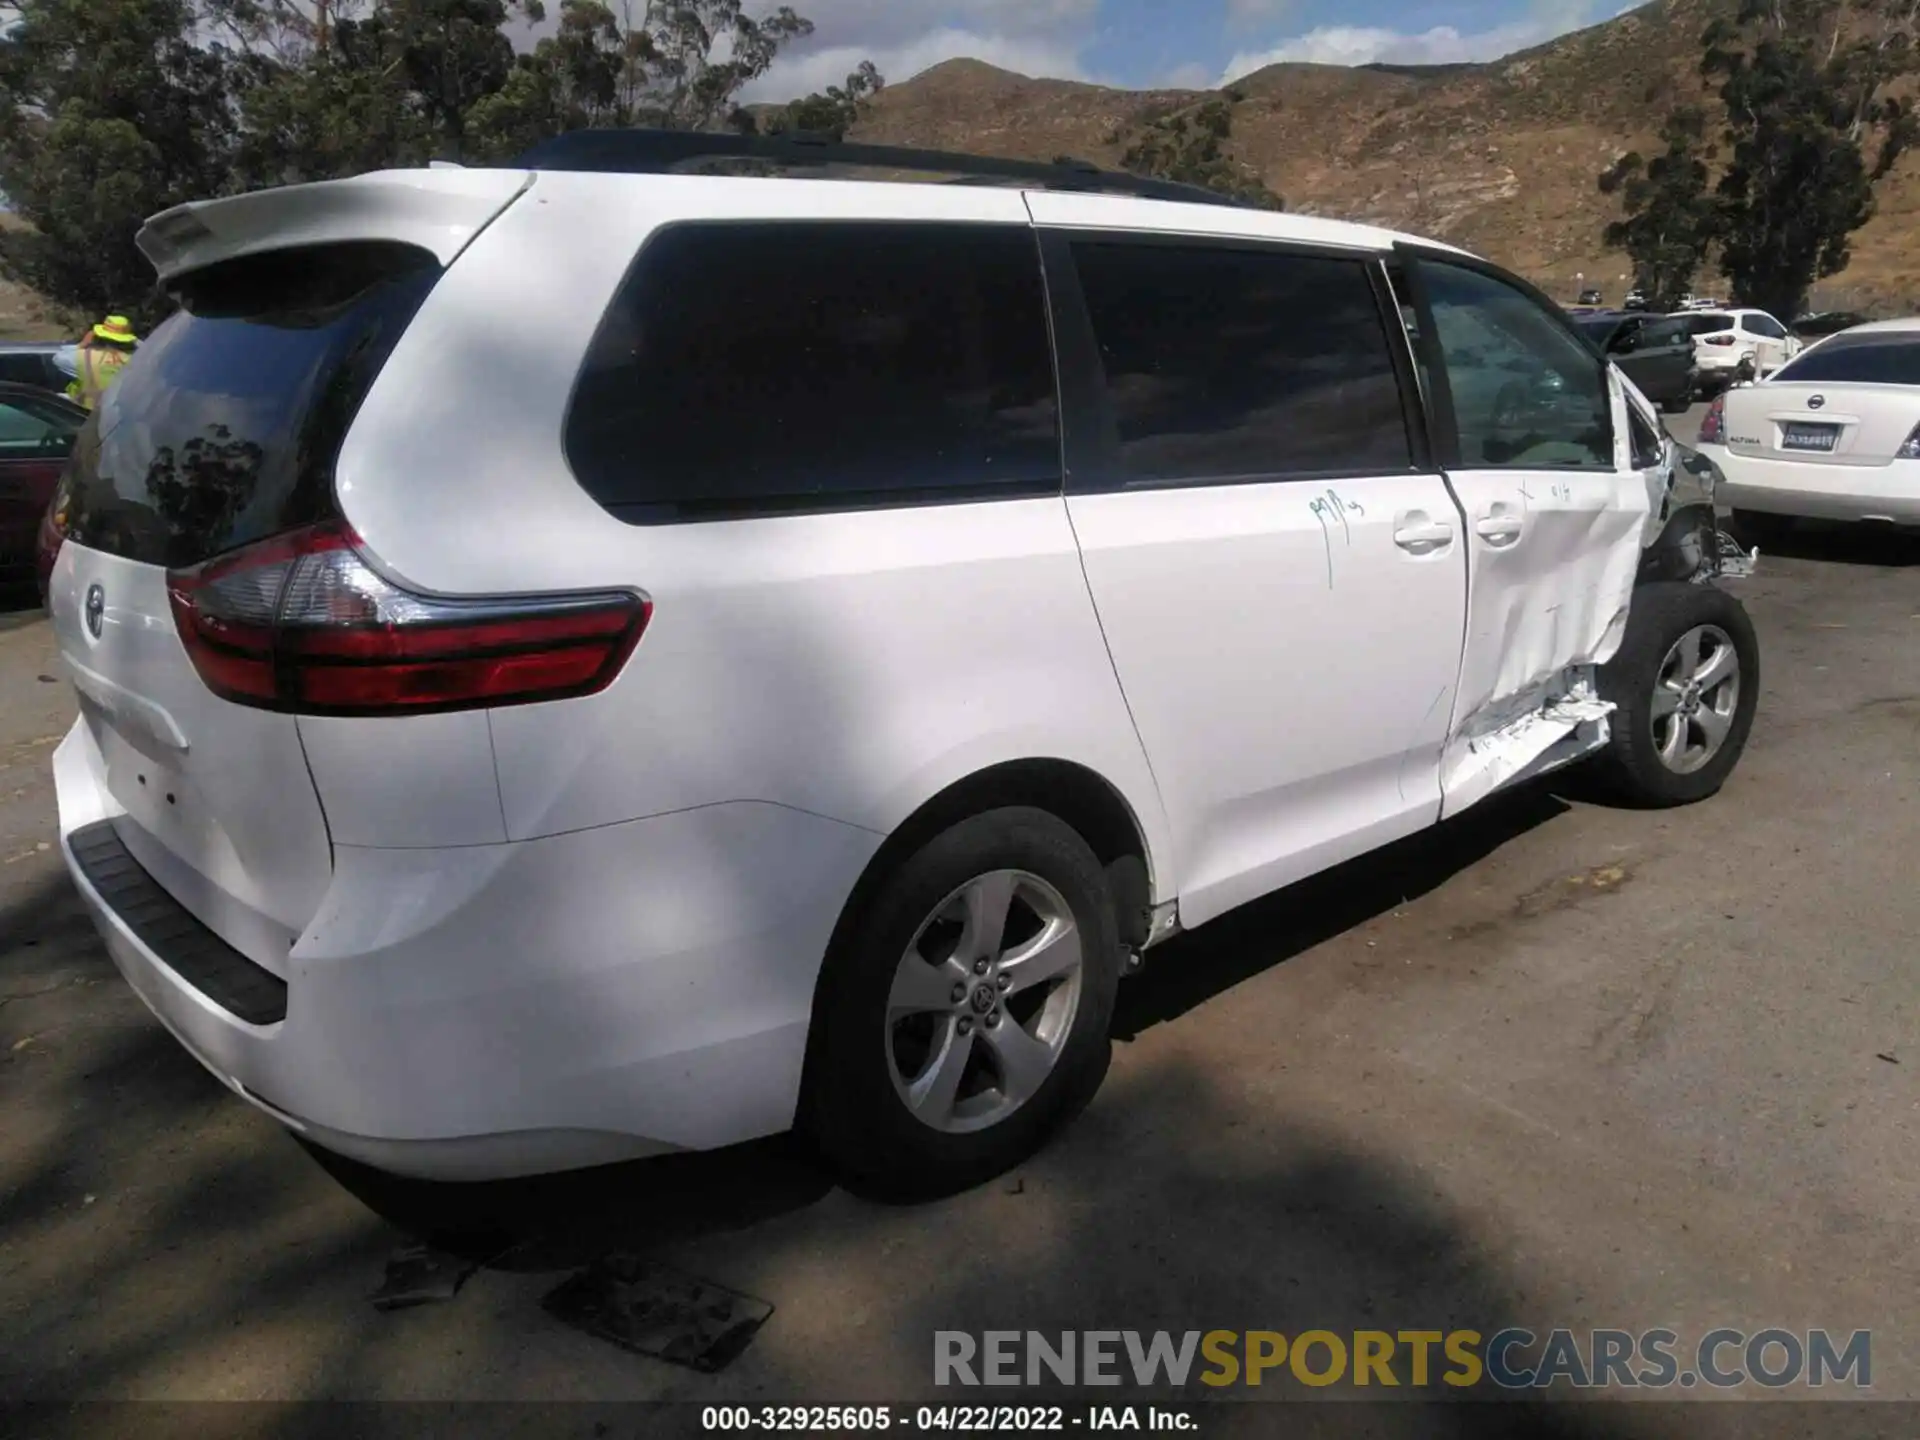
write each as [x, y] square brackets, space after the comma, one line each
[1868, 360]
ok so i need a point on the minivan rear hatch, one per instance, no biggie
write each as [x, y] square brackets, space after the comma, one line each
[223, 433]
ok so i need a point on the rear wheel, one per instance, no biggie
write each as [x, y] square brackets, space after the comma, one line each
[1685, 685]
[966, 1015]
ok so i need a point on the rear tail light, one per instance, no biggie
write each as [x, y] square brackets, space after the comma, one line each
[1721, 340]
[1910, 447]
[1713, 428]
[304, 623]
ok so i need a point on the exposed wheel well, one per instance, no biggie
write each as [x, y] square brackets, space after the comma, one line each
[1076, 794]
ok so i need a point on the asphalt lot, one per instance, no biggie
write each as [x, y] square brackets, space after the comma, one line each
[1555, 1064]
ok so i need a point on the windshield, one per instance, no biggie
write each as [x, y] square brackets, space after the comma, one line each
[1859, 360]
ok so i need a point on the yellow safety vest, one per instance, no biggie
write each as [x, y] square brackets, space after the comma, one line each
[99, 367]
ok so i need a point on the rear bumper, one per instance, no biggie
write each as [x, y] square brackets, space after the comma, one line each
[1822, 492]
[509, 1009]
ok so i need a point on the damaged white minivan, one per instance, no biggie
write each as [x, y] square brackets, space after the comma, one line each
[589, 660]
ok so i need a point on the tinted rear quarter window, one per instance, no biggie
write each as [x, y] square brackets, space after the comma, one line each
[770, 366]
[224, 428]
[1866, 361]
[1710, 324]
[1226, 363]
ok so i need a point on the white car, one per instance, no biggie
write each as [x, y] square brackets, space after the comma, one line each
[1835, 435]
[1724, 340]
[578, 662]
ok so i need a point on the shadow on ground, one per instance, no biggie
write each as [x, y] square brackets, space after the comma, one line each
[1880, 546]
[19, 605]
[157, 1232]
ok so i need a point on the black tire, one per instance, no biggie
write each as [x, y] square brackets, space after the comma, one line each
[1677, 404]
[1631, 768]
[850, 1105]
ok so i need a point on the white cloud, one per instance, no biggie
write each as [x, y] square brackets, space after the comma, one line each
[1442, 45]
[1191, 76]
[803, 72]
[1245, 13]
[904, 37]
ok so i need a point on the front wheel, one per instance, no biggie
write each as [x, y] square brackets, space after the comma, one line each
[1685, 686]
[966, 1015]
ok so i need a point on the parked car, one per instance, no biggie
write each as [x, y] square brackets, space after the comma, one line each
[48, 366]
[1826, 322]
[1636, 300]
[830, 633]
[1834, 435]
[1730, 345]
[1655, 351]
[1592, 297]
[36, 436]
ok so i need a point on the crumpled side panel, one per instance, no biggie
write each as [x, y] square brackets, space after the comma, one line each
[1542, 612]
[1552, 725]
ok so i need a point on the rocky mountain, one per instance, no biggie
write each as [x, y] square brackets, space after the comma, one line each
[1500, 158]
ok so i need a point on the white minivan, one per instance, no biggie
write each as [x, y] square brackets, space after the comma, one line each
[583, 661]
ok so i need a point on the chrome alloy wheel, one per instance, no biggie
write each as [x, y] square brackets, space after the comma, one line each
[1695, 699]
[983, 1001]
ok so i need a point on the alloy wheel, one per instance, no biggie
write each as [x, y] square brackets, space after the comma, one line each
[983, 1001]
[1695, 699]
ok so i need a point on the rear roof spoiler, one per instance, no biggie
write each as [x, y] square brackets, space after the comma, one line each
[439, 210]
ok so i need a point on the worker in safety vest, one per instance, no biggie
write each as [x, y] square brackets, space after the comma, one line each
[101, 355]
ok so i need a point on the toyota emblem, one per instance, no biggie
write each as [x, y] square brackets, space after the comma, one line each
[1817, 402]
[96, 609]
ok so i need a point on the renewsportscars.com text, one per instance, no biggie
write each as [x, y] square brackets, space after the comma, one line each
[1510, 1359]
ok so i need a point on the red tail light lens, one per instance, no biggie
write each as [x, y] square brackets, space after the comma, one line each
[304, 623]
[1722, 340]
[1713, 428]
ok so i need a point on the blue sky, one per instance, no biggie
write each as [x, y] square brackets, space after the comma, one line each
[1161, 42]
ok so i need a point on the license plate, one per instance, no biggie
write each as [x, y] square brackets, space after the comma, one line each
[1820, 438]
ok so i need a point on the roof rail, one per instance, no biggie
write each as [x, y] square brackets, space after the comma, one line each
[660, 152]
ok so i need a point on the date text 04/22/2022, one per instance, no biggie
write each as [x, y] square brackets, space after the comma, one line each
[945, 1419]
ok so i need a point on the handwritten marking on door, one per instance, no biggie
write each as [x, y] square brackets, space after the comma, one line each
[1331, 503]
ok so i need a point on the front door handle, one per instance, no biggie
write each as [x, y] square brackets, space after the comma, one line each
[1499, 528]
[1421, 535]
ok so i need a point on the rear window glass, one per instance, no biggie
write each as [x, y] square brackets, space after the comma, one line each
[224, 428]
[1869, 360]
[1710, 324]
[815, 365]
[1226, 363]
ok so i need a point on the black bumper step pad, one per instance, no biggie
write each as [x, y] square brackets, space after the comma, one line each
[189, 949]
